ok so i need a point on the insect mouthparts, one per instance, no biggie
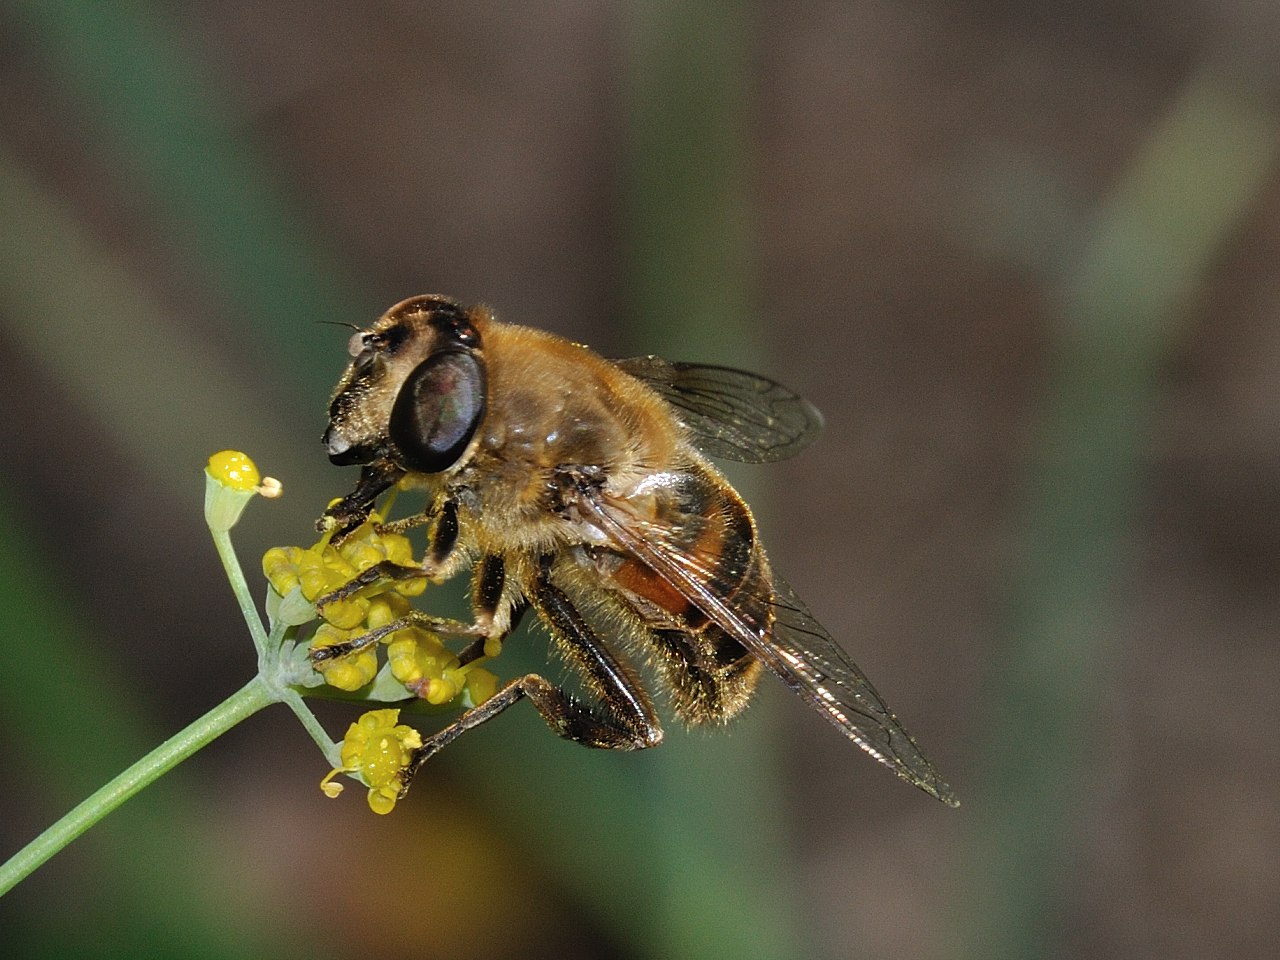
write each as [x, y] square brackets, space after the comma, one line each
[335, 443]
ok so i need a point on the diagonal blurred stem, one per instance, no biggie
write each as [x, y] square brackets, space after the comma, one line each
[146, 379]
[679, 849]
[687, 220]
[687, 226]
[1181, 200]
[166, 125]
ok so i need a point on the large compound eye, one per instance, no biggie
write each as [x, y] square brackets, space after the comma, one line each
[438, 410]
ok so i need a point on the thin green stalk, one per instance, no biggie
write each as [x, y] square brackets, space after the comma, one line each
[328, 746]
[273, 672]
[688, 229]
[171, 136]
[249, 700]
[231, 482]
[248, 609]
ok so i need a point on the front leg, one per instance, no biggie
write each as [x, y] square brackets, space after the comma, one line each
[352, 510]
[436, 565]
[415, 618]
[497, 612]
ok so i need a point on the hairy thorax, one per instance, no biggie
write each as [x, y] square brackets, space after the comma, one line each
[568, 415]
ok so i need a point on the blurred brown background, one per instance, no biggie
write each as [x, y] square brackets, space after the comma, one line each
[1023, 256]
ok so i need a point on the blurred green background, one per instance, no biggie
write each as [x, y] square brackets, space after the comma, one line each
[1023, 256]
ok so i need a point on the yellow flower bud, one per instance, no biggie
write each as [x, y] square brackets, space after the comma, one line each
[417, 657]
[481, 685]
[231, 481]
[411, 588]
[398, 549]
[385, 608]
[438, 690]
[234, 469]
[346, 614]
[381, 802]
[280, 566]
[313, 577]
[360, 555]
[345, 673]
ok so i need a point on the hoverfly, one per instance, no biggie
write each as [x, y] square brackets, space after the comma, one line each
[580, 487]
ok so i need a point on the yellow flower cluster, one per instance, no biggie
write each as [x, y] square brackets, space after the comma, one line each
[427, 667]
[378, 751]
[417, 658]
[324, 568]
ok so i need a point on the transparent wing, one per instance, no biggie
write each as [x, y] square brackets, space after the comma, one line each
[732, 414]
[795, 646]
[812, 664]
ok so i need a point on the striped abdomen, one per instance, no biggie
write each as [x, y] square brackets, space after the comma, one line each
[703, 521]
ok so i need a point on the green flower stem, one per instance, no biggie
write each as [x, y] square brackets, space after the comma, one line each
[227, 553]
[275, 670]
[328, 746]
[249, 700]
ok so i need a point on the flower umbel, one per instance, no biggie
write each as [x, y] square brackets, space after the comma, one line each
[418, 669]
[378, 751]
